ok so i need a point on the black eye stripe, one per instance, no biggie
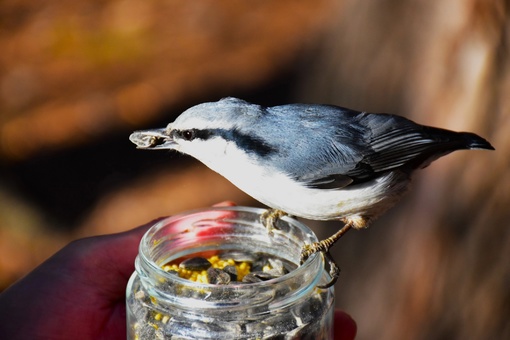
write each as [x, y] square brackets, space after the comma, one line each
[251, 144]
[248, 143]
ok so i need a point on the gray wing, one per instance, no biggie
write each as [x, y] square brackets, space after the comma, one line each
[340, 147]
[395, 142]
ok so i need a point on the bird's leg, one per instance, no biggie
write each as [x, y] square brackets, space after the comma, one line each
[324, 245]
[269, 218]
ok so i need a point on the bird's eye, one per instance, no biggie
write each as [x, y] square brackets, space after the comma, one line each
[188, 135]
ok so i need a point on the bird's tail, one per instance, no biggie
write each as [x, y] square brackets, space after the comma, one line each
[473, 141]
[445, 141]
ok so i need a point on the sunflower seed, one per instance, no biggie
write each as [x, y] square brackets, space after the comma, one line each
[195, 263]
[218, 276]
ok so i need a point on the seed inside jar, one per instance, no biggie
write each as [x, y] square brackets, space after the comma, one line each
[230, 267]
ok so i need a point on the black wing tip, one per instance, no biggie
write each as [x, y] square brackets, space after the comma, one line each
[473, 141]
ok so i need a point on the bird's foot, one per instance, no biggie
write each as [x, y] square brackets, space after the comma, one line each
[269, 218]
[334, 270]
[324, 247]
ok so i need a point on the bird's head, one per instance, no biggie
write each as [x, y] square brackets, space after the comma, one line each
[209, 131]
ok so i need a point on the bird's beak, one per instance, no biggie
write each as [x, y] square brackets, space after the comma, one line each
[153, 139]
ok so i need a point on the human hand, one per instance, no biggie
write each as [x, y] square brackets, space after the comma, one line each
[79, 293]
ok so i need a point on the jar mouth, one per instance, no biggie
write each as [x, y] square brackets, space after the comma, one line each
[227, 228]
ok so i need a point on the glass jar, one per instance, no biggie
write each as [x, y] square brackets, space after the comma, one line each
[163, 305]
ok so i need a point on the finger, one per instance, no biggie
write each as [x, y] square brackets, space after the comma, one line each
[225, 204]
[123, 247]
[345, 326]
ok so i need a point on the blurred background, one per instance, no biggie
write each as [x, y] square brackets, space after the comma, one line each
[76, 78]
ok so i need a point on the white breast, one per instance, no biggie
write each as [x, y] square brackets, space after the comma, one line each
[278, 191]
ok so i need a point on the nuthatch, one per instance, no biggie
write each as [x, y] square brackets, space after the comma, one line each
[319, 162]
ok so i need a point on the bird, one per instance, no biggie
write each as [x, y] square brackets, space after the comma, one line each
[314, 161]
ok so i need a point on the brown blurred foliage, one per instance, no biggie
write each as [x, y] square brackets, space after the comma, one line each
[76, 79]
